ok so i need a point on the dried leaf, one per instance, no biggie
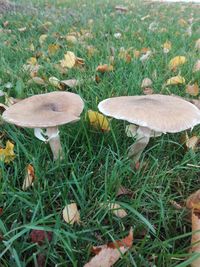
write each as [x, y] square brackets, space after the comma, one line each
[29, 178]
[71, 39]
[115, 208]
[37, 80]
[124, 191]
[121, 8]
[39, 236]
[32, 61]
[7, 154]
[176, 80]
[69, 60]
[70, 83]
[23, 29]
[167, 47]
[53, 48]
[148, 91]
[192, 89]
[55, 82]
[176, 62]
[192, 142]
[117, 35]
[196, 66]
[109, 254]
[71, 214]
[42, 39]
[91, 51]
[97, 120]
[145, 57]
[104, 68]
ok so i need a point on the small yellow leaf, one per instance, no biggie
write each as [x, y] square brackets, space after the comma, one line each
[104, 68]
[32, 61]
[192, 89]
[71, 39]
[29, 178]
[97, 120]
[167, 47]
[42, 38]
[53, 48]
[55, 82]
[32, 47]
[176, 62]
[115, 208]
[69, 60]
[71, 214]
[176, 80]
[7, 154]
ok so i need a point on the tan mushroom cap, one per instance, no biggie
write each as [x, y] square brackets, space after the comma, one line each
[160, 113]
[45, 110]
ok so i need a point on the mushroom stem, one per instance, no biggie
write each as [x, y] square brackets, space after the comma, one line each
[54, 142]
[138, 147]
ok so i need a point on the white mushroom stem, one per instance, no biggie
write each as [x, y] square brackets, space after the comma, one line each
[143, 135]
[51, 136]
[54, 142]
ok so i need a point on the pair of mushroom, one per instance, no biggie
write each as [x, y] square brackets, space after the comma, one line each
[153, 115]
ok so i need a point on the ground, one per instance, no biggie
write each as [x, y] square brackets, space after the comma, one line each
[95, 163]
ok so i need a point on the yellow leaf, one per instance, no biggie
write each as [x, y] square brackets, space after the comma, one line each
[176, 62]
[176, 80]
[71, 214]
[32, 61]
[32, 47]
[53, 48]
[29, 178]
[55, 82]
[167, 47]
[42, 38]
[115, 208]
[71, 39]
[7, 154]
[192, 142]
[69, 61]
[97, 120]
[192, 89]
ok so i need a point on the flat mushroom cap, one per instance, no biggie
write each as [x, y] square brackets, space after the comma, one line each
[45, 110]
[160, 113]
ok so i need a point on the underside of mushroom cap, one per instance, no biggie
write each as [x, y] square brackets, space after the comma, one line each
[45, 110]
[160, 113]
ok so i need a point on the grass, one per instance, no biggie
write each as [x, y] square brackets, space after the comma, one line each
[95, 163]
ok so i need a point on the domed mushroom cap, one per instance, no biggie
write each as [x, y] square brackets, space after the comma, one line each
[45, 110]
[160, 113]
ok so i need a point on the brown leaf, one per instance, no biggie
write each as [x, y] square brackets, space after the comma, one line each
[104, 68]
[107, 255]
[124, 191]
[192, 89]
[121, 8]
[39, 236]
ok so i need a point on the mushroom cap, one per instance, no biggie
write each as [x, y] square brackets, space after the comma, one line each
[160, 113]
[45, 110]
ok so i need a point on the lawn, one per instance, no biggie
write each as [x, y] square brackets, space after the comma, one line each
[95, 163]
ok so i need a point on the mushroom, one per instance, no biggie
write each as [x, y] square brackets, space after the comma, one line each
[46, 111]
[193, 203]
[154, 115]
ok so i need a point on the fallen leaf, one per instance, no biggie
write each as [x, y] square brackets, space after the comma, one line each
[71, 39]
[148, 91]
[176, 205]
[69, 60]
[176, 62]
[32, 47]
[37, 80]
[39, 236]
[104, 68]
[91, 51]
[71, 214]
[32, 61]
[167, 47]
[146, 82]
[121, 8]
[23, 29]
[123, 54]
[192, 89]
[136, 53]
[41, 259]
[97, 120]
[117, 35]
[55, 82]
[115, 208]
[7, 154]
[196, 66]
[70, 83]
[145, 57]
[53, 48]
[182, 22]
[124, 191]
[42, 39]
[29, 177]
[107, 255]
[192, 142]
[176, 80]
